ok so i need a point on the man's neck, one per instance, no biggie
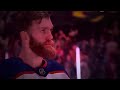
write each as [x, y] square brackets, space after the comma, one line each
[30, 58]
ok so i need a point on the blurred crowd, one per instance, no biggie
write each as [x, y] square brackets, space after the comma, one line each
[100, 57]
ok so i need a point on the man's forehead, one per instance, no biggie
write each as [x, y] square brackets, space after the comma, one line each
[46, 22]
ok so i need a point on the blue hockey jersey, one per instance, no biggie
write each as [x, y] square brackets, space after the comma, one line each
[14, 68]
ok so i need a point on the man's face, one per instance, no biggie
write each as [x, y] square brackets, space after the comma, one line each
[41, 39]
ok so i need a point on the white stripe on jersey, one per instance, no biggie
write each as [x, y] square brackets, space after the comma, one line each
[57, 76]
[49, 76]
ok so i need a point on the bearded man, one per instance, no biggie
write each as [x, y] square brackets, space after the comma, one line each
[31, 48]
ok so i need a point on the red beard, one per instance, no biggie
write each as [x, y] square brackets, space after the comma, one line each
[45, 50]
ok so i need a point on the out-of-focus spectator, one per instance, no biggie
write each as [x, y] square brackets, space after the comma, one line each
[2, 53]
[111, 47]
[85, 69]
[83, 45]
[70, 67]
[112, 65]
[61, 34]
[73, 33]
[73, 55]
[4, 47]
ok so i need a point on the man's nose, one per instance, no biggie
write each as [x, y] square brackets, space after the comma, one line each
[49, 36]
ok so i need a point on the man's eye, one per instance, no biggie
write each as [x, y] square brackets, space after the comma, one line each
[43, 30]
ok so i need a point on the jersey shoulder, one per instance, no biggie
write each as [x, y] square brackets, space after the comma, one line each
[52, 65]
[9, 68]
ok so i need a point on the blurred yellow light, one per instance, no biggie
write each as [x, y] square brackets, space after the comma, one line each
[79, 14]
[98, 18]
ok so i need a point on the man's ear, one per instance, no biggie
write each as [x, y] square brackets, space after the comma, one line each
[24, 39]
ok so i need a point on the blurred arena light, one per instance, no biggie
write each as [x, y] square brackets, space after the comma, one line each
[78, 66]
[79, 14]
[92, 16]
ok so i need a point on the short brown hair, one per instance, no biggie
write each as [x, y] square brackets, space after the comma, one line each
[21, 20]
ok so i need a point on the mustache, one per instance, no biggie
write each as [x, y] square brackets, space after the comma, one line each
[50, 42]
